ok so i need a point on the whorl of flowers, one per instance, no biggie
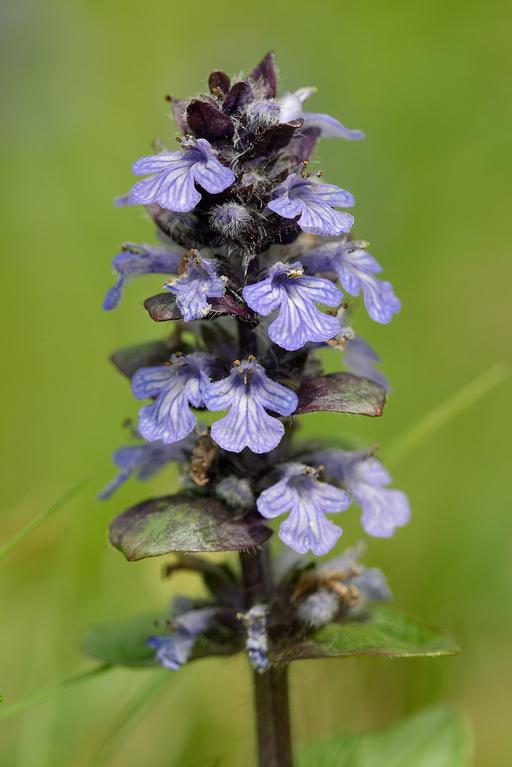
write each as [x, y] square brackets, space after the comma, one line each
[258, 262]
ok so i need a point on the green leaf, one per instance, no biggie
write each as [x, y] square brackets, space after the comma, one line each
[130, 359]
[384, 631]
[123, 643]
[437, 737]
[183, 523]
[341, 393]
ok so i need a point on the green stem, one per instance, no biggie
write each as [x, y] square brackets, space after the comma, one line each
[271, 699]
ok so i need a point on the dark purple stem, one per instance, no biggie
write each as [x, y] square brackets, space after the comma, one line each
[271, 701]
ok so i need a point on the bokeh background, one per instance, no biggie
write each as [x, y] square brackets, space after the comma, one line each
[83, 96]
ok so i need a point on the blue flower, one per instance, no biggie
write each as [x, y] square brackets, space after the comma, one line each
[236, 492]
[370, 582]
[356, 270]
[135, 260]
[255, 622]
[287, 287]
[145, 460]
[247, 393]
[345, 585]
[197, 283]
[319, 608]
[360, 358]
[306, 500]
[329, 127]
[176, 386]
[175, 174]
[365, 479]
[174, 650]
[315, 205]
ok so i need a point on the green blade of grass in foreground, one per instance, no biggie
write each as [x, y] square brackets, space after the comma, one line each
[52, 691]
[6, 548]
[446, 411]
[128, 716]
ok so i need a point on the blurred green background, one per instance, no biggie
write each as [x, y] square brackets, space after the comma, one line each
[83, 96]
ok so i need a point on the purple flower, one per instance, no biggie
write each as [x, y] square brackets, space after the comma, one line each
[176, 386]
[175, 174]
[361, 359]
[195, 285]
[248, 393]
[295, 294]
[315, 205]
[174, 650]
[135, 260]
[319, 608]
[255, 622]
[365, 478]
[329, 127]
[370, 582]
[145, 460]
[306, 500]
[356, 270]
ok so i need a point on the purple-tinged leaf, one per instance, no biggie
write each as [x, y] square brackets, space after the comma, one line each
[183, 523]
[238, 98]
[219, 81]
[341, 393]
[206, 121]
[131, 358]
[274, 138]
[162, 307]
[264, 75]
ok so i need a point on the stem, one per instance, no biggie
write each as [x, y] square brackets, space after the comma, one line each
[271, 700]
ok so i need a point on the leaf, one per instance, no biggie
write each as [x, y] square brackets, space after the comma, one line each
[206, 121]
[265, 75]
[384, 631]
[238, 98]
[123, 642]
[274, 138]
[341, 393]
[162, 307]
[183, 523]
[131, 358]
[437, 737]
[219, 81]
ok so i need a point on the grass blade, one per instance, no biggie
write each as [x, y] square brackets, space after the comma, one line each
[52, 691]
[431, 423]
[39, 519]
[129, 714]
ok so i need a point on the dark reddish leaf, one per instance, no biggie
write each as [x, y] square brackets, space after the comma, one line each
[274, 138]
[341, 393]
[162, 307]
[206, 121]
[130, 359]
[238, 97]
[219, 81]
[184, 523]
[265, 74]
